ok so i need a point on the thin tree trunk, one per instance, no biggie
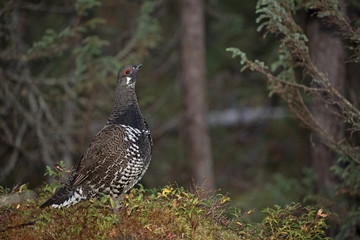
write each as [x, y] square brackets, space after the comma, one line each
[327, 51]
[69, 119]
[194, 82]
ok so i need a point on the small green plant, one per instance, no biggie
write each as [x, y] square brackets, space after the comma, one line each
[59, 173]
[294, 222]
[291, 222]
[4, 190]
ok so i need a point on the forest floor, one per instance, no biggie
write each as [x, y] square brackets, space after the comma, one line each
[167, 213]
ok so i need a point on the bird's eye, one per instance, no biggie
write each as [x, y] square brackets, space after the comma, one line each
[127, 71]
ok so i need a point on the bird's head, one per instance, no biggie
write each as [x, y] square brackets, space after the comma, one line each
[127, 75]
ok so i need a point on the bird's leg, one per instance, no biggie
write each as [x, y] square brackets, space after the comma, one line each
[117, 204]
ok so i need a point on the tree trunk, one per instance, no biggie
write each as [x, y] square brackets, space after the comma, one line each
[193, 79]
[68, 119]
[327, 51]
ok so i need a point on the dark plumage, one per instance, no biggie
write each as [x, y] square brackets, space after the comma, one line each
[119, 154]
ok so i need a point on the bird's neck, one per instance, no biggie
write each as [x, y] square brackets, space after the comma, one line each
[126, 109]
[124, 97]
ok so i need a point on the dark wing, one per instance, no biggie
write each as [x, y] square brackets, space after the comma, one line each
[108, 147]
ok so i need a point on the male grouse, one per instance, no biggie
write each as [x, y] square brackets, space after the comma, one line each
[119, 154]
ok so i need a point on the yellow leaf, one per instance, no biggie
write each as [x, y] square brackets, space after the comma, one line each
[148, 227]
[178, 196]
[22, 187]
[165, 192]
[250, 211]
[225, 199]
[112, 203]
[321, 214]
[186, 194]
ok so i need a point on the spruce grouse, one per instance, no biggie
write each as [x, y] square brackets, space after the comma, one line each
[119, 154]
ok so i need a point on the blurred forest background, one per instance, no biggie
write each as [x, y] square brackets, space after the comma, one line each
[58, 66]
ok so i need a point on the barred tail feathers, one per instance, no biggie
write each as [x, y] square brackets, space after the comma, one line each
[65, 197]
